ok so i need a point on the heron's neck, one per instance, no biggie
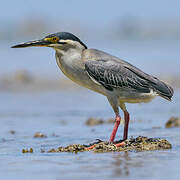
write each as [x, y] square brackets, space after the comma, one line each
[70, 59]
[69, 51]
[70, 63]
[69, 56]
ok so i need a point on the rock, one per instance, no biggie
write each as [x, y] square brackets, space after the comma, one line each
[71, 148]
[111, 121]
[23, 76]
[173, 122]
[39, 135]
[12, 132]
[133, 144]
[94, 121]
[27, 150]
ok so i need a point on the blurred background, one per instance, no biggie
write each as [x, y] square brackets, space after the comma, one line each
[36, 97]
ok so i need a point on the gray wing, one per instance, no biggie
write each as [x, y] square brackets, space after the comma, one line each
[113, 74]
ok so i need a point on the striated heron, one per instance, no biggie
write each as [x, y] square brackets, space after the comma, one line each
[101, 72]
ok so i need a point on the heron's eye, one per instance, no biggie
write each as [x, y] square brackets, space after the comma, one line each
[55, 39]
[52, 39]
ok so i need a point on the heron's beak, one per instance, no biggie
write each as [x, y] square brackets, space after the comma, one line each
[41, 43]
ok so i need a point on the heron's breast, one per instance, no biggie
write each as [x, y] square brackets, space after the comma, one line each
[75, 71]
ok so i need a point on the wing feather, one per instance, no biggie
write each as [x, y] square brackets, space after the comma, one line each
[113, 74]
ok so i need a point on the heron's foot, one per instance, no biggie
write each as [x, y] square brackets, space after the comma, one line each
[119, 143]
[92, 145]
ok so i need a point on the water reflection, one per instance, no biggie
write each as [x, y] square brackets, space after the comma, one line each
[123, 164]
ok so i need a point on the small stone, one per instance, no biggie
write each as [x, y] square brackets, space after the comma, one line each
[24, 150]
[173, 122]
[39, 135]
[110, 121]
[31, 150]
[12, 132]
[27, 151]
[52, 150]
[94, 121]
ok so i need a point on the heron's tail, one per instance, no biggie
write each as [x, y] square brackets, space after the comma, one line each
[163, 90]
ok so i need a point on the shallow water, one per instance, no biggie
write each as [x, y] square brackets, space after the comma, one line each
[62, 116]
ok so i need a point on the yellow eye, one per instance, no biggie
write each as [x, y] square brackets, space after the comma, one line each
[52, 39]
[55, 39]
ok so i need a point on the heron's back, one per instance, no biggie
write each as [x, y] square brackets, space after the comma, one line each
[118, 75]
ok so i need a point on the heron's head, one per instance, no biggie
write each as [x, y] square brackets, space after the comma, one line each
[61, 40]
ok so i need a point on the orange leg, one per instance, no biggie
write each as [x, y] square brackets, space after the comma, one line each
[126, 124]
[116, 125]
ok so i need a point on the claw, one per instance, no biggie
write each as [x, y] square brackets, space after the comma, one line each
[93, 145]
[90, 147]
[120, 144]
